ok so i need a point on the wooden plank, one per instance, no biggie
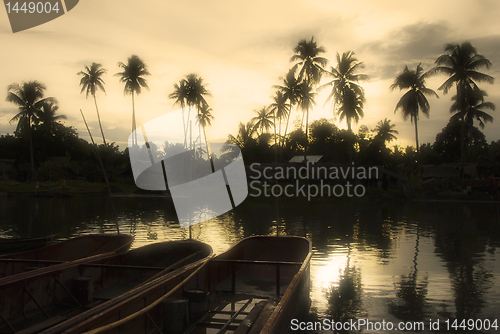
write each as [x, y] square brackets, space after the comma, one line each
[42, 325]
[258, 262]
[247, 323]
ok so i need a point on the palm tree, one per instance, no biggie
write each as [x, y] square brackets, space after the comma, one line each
[345, 77]
[306, 103]
[48, 118]
[280, 109]
[461, 62]
[474, 110]
[291, 91]
[190, 91]
[351, 106]
[306, 53]
[132, 76]
[205, 118]
[385, 130]
[244, 140]
[29, 98]
[91, 81]
[263, 120]
[413, 101]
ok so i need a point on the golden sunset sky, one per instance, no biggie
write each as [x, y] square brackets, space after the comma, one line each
[241, 49]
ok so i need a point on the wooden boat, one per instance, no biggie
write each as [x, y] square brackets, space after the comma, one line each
[15, 245]
[39, 301]
[257, 286]
[65, 251]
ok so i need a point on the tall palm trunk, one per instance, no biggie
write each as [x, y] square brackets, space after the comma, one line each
[307, 135]
[99, 118]
[133, 120]
[461, 98]
[416, 134]
[275, 143]
[286, 127]
[31, 150]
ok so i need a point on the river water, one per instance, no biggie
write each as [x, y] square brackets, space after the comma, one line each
[403, 262]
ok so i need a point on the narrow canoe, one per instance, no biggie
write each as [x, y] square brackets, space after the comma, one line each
[15, 245]
[65, 251]
[257, 286]
[46, 299]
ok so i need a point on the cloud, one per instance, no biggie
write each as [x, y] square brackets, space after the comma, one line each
[421, 42]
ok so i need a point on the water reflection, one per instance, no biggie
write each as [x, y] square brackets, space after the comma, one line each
[379, 261]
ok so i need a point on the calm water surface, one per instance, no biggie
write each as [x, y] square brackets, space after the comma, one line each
[412, 261]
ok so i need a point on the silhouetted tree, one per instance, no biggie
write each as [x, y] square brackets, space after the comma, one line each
[47, 117]
[310, 63]
[473, 110]
[263, 120]
[29, 98]
[132, 76]
[461, 62]
[291, 91]
[345, 86]
[413, 102]
[91, 81]
[385, 130]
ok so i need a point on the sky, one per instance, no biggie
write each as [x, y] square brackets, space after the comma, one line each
[242, 49]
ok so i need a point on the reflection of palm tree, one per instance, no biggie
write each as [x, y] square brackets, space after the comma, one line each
[344, 301]
[132, 76]
[263, 120]
[459, 245]
[385, 130]
[411, 302]
[29, 98]
[461, 62]
[413, 101]
[91, 81]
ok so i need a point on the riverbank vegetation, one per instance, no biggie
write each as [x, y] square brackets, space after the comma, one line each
[44, 149]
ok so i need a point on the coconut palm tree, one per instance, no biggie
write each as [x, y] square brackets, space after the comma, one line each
[413, 102]
[132, 76]
[280, 109]
[291, 91]
[47, 116]
[306, 102]
[263, 120]
[205, 118]
[244, 140]
[28, 96]
[190, 91]
[310, 63]
[91, 81]
[345, 77]
[461, 63]
[385, 130]
[474, 110]
[351, 106]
